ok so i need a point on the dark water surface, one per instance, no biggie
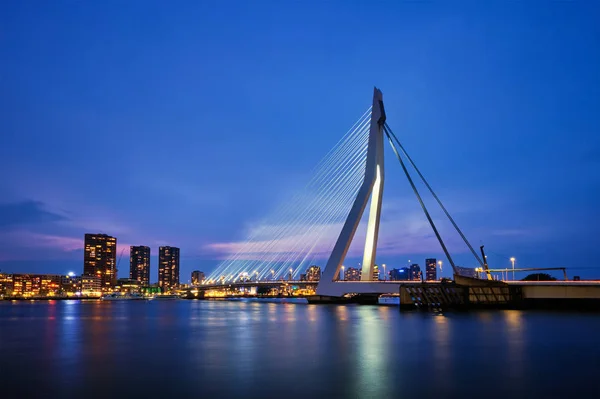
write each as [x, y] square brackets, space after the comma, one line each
[205, 349]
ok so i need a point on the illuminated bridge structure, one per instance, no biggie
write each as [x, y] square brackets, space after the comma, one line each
[332, 204]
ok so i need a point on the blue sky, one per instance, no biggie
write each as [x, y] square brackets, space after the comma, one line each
[185, 123]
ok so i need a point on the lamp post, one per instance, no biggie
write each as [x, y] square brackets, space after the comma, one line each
[272, 274]
[513, 266]
[343, 275]
[440, 263]
[384, 275]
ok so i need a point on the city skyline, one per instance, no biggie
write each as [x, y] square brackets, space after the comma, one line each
[496, 112]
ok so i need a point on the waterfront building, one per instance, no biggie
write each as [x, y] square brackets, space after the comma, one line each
[35, 285]
[197, 277]
[168, 268]
[352, 274]
[91, 285]
[313, 273]
[6, 284]
[430, 269]
[128, 285]
[70, 284]
[375, 273]
[100, 259]
[139, 264]
[415, 272]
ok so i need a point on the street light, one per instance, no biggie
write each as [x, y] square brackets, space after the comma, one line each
[343, 275]
[272, 274]
[513, 265]
[384, 275]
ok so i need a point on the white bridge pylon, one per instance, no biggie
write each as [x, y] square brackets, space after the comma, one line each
[372, 187]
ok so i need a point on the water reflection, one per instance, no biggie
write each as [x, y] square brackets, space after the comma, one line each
[371, 375]
[248, 349]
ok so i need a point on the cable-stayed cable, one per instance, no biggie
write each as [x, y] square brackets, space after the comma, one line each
[389, 130]
[297, 231]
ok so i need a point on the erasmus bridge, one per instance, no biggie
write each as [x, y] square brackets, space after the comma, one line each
[347, 181]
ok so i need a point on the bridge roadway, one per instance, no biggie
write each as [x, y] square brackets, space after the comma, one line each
[577, 293]
[249, 284]
[345, 287]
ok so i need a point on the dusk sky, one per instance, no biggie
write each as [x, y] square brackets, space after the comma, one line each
[186, 123]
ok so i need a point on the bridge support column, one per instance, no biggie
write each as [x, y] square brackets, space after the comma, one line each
[372, 186]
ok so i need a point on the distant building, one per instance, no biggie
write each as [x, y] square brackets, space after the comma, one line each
[303, 277]
[375, 273]
[100, 259]
[168, 268]
[139, 264]
[313, 273]
[197, 277]
[25, 285]
[352, 274]
[415, 272]
[430, 269]
[6, 284]
[402, 274]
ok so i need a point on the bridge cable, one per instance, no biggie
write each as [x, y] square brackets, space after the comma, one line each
[412, 184]
[300, 225]
[389, 131]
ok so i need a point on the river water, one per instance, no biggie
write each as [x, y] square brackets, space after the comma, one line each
[245, 349]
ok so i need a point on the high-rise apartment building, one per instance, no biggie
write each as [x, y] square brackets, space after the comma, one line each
[430, 269]
[168, 268]
[139, 264]
[100, 259]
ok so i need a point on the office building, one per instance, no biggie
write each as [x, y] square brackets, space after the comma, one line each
[402, 274]
[430, 269]
[352, 274]
[313, 273]
[139, 264]
[168, 268]
[197, 277]
[100, 259]
[375, 273]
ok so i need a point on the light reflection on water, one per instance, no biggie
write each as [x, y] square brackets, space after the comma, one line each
[251, 349]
